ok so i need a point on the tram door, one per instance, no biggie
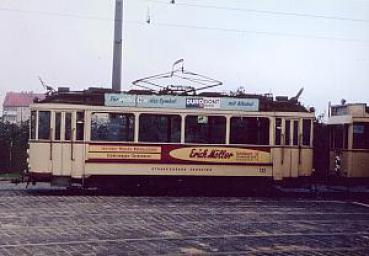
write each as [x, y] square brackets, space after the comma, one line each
[78, 147]
[61, 146]
[292, 141]
[67, 144]
[56, 146]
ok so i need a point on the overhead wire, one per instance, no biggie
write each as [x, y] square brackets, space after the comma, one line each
[296, 14]
[184, 26]
[258, 32]
[308, 15]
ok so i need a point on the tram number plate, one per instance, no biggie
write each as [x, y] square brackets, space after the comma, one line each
[262, 170]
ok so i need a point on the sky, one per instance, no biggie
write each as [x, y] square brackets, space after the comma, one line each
[275, 46]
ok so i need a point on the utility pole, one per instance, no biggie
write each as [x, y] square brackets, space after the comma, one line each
[117, 51]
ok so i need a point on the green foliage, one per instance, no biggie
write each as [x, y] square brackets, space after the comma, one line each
[13, 147]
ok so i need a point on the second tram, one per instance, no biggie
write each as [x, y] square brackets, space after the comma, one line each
[349, 140]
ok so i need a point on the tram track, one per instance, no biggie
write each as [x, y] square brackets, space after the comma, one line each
[207, 249]
[365, 234]
[58, 223]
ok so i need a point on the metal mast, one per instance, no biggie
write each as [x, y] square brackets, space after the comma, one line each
[117, 51]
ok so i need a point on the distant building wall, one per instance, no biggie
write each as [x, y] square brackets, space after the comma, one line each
[16, 106]
[16, 114]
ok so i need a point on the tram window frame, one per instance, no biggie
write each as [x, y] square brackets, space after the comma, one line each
[44, 126]
[205, 124]
[360, 136]
[80, 125]
[160, 128]
[33, 121]
[249, 130]
[57, 128]
[68, 126]
[123, 133]
[306, 132]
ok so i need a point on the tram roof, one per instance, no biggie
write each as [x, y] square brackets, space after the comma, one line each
[97, 97]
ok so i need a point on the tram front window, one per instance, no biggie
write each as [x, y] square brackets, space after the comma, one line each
[205, 129]
[160, 128]
[44, 125]
[361, 136]
[339, 136]
[306, 132]
[249, 130]
[112, 127]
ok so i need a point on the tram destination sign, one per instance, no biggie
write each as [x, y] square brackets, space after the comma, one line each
[181, 102]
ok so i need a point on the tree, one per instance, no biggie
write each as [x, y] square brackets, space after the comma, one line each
[13, 147]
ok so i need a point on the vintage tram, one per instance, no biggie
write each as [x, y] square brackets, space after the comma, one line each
[91, 135]
[349, 141]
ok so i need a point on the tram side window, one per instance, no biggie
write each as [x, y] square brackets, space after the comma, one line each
[80, 124]
[205, 129]
[361, 136]
[57, 125]
[339, 136]
[287, 132]
[33, 124]
[44, 125]
[160, 128]
[68, 126]
[249, 130]
[112, 126]
[295, 133]
[278, 131]
[306, 132]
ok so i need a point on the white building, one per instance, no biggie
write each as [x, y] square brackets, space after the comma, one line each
[16, 106]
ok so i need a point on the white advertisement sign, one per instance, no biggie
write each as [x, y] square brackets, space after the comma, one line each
[181, 102]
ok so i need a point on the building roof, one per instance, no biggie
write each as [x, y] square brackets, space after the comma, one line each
[21, 99]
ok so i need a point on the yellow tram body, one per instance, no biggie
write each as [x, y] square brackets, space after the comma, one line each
[349, 140]
[143, 135]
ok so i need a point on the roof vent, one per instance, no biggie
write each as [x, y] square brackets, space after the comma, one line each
[63, 89]
[98, 90]
[281, 98]
[210, 94]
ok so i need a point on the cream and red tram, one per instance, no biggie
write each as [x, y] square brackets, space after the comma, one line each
[92, 134]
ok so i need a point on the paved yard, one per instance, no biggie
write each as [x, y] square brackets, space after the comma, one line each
[41, 221]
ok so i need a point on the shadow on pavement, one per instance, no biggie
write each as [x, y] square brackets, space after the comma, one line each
[195, 190]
